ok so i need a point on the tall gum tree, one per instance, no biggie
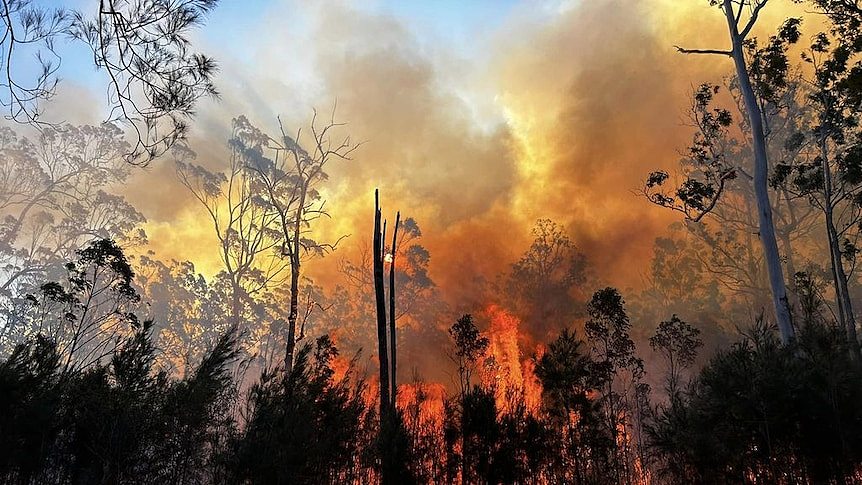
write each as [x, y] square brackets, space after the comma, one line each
[829, 177]
[245, 226]
[705, 196]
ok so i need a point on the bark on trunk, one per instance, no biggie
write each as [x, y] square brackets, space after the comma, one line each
[790, 266]
[842, 293]
[290, 343]
[380, 298]
[761, 191]
[392, 338]
[295, 267]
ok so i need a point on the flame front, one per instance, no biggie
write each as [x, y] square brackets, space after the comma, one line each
[508, 370]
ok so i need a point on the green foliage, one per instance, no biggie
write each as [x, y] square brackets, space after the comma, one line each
[303, 427]
[121, 422]
[763, 411]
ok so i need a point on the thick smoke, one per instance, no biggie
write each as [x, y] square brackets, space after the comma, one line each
[561, 116]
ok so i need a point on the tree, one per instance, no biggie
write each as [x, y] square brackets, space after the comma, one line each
[544, 283]
[620, 371]
[190, 311]
[680, 280]
[392, 438]
[383, 343]
[764, 411]
[677, 342]
[724, 239]
[112, 417]
[89, 310]
[245, 224]
[289, 189]
[846, 17]
[55, 197]
[470, 345]
[701, 196]
[308, 426]
[830, 175]
[569, 381]
[143, 47]
[417, 300]
[130, 422]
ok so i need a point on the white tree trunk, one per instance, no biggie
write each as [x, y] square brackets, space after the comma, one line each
[761, 190]
[842, 294]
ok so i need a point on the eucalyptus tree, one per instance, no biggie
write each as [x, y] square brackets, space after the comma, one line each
[290, 172]
[190, 311]
[244, 225]
[545, 286]
[758, 71]
[88, 309]
[473, 414]
[723, 238]
[417, 300]
[620, 371]
[677, 342]
[263, 210]
[56, 195]
[830, 175]
[569, 386]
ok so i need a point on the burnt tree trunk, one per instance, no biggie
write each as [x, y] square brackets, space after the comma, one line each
[392, 465]
[380, 299]
[392, 340]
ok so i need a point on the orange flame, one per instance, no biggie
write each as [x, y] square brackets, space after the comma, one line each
[509, 371]
[423, 401]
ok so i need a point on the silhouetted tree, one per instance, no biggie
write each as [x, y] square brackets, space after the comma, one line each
[115, 419]
[289, 186]
[392, 438]
[246, 226]
[143, 47]
[55, 197]
[302, 427]
[575, 417]
[546, 283]
[417, 300]
[620, 371]
[470, 346]
[760, 411]
[89, 310]
[677, 342]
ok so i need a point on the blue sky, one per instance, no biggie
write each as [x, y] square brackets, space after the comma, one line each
[455, 25]
[456, 22]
